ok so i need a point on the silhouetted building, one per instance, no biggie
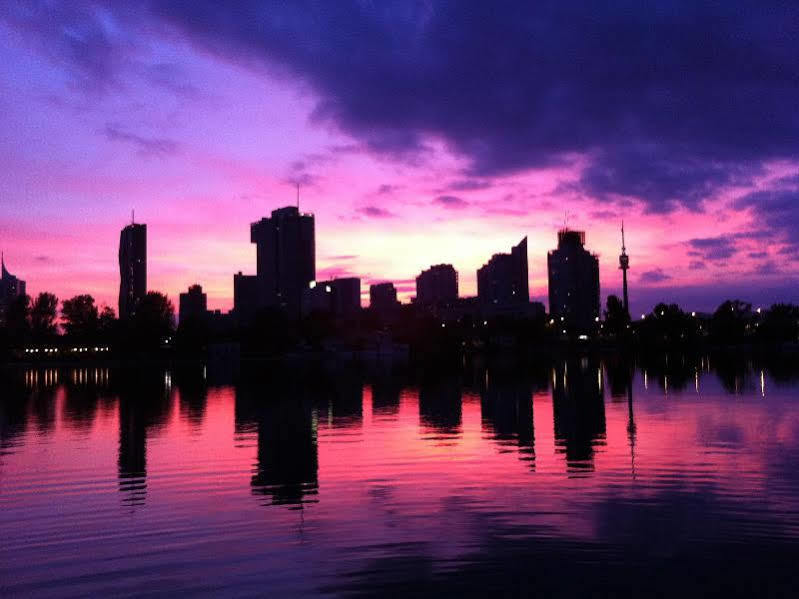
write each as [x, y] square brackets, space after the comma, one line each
[10, 288]
[245, 298]
[286, 257]
[573, 283]
[383, 299]
[132, 268]
[193, 304]
[339, 297]
[502, 281]
[437, 285]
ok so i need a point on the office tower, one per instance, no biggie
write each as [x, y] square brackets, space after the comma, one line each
[437, 285]
[383, 299]
[10, 288]
[132, 268]
[193, 304]
[624, 265]
[338, 297]
[286, 257]
[502, 281]
[573, 283]
[245, 298]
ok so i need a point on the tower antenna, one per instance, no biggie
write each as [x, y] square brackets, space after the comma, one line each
[133, 217]
[623, 249]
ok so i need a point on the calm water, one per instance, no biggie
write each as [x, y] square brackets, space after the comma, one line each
[573, 478]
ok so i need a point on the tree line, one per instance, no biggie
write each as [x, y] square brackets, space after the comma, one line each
[37, 321]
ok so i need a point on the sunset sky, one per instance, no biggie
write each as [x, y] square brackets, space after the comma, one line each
[420, 132]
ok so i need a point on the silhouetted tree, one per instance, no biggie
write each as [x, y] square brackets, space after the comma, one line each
[616, 317]
[667, 325]
[780, 324]
[80, 316]
[43, 316]
[731, 322]
[106, 321]
[154, 319]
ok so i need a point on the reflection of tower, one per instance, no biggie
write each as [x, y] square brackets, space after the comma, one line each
[440, 405]
[507, 412]
[631, 430]
[287, 467]
[579, 411]
[132, 452]
[624, 265]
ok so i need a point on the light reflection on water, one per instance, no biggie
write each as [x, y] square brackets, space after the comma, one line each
[571, 477]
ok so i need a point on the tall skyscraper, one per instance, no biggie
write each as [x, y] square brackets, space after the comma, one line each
[193, 304]
[286, 257]
[10, 288]
[573, 283]
[502, 281]
[132, 268]
[624, 265]
[437, 285]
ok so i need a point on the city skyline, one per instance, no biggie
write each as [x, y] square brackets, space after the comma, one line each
[205, 130]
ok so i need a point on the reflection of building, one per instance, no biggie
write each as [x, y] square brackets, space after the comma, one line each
[383, 299]
[507, 413]
[132, 452]
[573, 283]
[338, 297]
[386, 395]
[288, 465]
[10, 288]
[286, 257]
[193, 304]
[502, 281]
[440, 406]
[437, 285]
[132, 268]
[579, 410]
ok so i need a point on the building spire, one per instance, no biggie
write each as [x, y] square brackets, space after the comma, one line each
[298, 195]
[623, 249]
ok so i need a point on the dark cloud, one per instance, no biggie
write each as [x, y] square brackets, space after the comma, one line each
[697, 265]
[43, 259]
[666, 102]
[669, 102]
[757, 255]
[147, 146]
[713, 248]
[376, 212]
[387, 189]
[451, 202]
[469, 185]
[654, 276]
[778, 210]
[344, 257]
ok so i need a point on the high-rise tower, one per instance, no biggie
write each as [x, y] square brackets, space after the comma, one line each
[624, 265]
[132, 268]
[573, 283]
[286, 257]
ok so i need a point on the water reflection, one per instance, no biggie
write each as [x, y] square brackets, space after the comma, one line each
[579, 410]
[576, 476]
[440, 405]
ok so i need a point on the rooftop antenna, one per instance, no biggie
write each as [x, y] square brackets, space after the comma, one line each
[298, 195]
[133, 217]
